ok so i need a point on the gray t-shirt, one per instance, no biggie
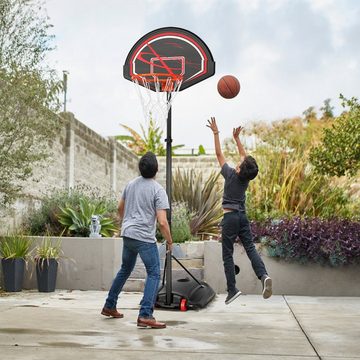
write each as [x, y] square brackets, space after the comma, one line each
[142, 198]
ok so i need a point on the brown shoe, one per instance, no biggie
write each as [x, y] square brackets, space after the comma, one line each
[151, 322]
[111, 312]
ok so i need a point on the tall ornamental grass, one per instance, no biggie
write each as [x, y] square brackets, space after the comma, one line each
[287, 184]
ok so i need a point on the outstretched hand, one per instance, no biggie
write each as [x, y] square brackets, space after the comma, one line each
[212, 125]
[237, 131]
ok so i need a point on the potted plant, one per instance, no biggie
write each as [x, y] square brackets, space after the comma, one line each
[14, 249]
[46, 262]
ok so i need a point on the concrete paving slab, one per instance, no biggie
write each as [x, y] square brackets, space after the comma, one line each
[43, 326]
[39, 353]
[332, 324]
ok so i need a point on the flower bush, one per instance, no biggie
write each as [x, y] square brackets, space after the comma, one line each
[333, 242]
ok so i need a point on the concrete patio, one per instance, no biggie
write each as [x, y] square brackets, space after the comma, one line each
[68, 324]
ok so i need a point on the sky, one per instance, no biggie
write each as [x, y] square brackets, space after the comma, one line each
[287, 54]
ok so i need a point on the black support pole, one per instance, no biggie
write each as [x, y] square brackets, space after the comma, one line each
[169, 193]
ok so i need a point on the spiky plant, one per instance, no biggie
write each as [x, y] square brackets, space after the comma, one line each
[203, 199]
[150, 140]
[14, 246]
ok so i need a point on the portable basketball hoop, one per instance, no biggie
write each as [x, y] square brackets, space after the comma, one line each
[160, 64]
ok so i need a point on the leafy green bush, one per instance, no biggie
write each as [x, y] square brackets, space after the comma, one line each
[180, 223]
[339, 152]
[44, 220]
[77, 219]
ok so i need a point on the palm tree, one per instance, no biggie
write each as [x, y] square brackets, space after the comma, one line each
[149, 141]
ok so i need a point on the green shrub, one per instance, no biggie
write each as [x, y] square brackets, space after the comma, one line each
[44, 220]
[338, 153]
[180, 224]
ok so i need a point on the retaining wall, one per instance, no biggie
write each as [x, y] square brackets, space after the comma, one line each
[91, 264]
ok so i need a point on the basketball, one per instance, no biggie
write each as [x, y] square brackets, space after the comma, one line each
[228, 86]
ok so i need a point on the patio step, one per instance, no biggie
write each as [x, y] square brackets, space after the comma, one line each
[195, 266]
[134, 285]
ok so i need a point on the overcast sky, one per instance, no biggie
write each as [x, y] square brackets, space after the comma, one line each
[287, 54]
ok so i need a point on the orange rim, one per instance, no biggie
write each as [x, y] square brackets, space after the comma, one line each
[160, 76]
[166, 81]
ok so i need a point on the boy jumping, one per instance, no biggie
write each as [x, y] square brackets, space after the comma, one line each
[235, 222]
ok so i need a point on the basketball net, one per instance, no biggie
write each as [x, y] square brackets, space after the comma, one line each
[157, 93]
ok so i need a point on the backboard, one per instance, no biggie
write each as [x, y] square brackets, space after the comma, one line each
[170, 51]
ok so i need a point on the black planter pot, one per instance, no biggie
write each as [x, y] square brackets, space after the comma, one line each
[46, 273]
[13, 270]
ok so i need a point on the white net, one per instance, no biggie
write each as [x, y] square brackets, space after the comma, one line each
[157, 93]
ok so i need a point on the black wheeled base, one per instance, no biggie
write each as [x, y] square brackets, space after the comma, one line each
[185, 293]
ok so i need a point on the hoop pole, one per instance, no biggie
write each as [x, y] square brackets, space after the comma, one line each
[169, 193]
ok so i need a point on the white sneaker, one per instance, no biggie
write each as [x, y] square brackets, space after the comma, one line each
[267, 286]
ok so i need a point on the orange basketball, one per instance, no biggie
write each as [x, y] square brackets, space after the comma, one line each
[228, 86]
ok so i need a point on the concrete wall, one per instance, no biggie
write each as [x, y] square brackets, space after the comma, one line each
[288, 278]
[87, 263]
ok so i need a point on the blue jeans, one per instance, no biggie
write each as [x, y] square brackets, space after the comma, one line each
[236, 224]
[149, 254]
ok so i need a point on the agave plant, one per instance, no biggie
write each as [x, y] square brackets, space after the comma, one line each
[202, 198]
[77, 220]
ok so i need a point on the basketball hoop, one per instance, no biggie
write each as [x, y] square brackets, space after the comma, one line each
[160, 64]
[157, 91]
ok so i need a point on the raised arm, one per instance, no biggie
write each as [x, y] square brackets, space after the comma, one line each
[213, 126]
[236, 133]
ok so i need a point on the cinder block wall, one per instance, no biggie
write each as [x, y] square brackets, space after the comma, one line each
[205, 164]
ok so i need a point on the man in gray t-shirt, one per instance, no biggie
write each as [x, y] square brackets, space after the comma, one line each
[146, 197]
[143, 203]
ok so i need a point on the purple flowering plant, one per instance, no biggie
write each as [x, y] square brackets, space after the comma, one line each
[331, 242]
